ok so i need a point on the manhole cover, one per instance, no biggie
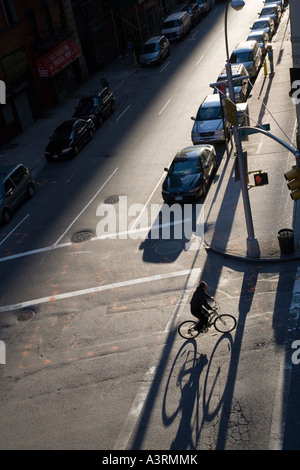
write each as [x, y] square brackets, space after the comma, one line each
[82, 236]
[167, 248]
[112, 199]
[25, 316]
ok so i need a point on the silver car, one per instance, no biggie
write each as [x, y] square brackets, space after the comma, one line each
[262, 38]
[155, 50]
[209, 123]
[16, 183]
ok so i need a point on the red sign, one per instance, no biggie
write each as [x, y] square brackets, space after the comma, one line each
[58, 58]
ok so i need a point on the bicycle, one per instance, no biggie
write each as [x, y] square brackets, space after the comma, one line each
[223, 323]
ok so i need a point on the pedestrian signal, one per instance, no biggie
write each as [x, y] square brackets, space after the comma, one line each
[260, 179]
[293, 178]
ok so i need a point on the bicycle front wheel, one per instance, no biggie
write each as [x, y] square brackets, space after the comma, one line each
[187, 329]
[225, 323]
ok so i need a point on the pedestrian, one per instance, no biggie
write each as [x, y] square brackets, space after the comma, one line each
[199, 305]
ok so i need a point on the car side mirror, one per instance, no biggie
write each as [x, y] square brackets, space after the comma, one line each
[9, 192]
[193, 118]
[166, 169]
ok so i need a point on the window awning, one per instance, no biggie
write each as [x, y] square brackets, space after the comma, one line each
[58, 58]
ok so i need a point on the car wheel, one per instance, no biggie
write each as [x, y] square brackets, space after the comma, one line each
[100, 121]
[6, 216]
[112, 107]
[91, 134]
[76, 151]
[48, 158]
[30, 191]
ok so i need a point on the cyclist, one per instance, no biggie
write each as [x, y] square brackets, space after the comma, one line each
[199, 305]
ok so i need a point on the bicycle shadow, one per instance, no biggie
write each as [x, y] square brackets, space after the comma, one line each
[193, 387]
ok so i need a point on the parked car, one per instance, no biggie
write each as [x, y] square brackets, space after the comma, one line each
[194, 11]
[16, 183]
[205, 6]
[278, 2]
[262, 38]
[96, 105]
[209, 123]
[249, 54]
[266, 24]
[241, 82]
[154, 51]
[272, 11]
[176, 26]
[189, 174]
[69, 138]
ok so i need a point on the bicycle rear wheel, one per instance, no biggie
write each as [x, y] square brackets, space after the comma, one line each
[187, 329]
[225, 323]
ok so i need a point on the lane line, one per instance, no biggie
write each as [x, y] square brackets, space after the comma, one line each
[119, 117]
[161, 111]
[87, 205]
[93, 290]
[14, 229]
[143, 392]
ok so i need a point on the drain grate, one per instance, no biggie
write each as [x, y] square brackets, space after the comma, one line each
[112, 199]
[82, 236]
[25, 316]
[168, 248]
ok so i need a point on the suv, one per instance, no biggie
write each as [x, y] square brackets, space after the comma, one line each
[205, 6]
[241, 82]
[155, 50]
[177, 25]
[248, 53]
[96, 105]
[16, 183]
[209, 122]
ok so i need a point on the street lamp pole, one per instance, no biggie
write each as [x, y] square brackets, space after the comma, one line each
[253, 250]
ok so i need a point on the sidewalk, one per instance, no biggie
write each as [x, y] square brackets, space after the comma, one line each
[271, 205]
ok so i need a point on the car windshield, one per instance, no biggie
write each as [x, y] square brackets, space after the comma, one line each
[267, 11]
[257, 37]
[171, 24]
[261, 24]
[185, 166]
[209, 113]
[88, 103]
[240, 57]
[63, 132]
[148, 48]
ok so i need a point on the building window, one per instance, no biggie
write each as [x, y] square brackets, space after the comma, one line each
[34, 30]
[9, 11]
[48, 20]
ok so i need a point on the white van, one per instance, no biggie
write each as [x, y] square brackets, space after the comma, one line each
[177, 26]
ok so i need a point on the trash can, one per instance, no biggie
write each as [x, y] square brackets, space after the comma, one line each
[286, 241]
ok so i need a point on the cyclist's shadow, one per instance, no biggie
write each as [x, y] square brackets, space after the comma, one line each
[188, 380]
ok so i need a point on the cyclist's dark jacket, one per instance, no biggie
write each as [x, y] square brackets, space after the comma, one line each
[199, 300]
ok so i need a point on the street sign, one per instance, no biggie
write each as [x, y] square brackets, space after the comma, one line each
[230, 112]
[254, 130]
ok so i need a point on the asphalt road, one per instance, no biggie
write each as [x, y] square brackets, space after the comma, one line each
[93, 357]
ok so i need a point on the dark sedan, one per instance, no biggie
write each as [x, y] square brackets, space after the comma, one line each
[189, 174]
[69, 138]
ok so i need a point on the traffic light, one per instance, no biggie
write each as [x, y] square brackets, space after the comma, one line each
[260, 179]
[293, 178]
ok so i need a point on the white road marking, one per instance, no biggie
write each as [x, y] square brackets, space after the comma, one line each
[87, 205]
[168, 63]
[93, 290]
[164, 107]
[119, 117]
[14, 229]
[141, 397]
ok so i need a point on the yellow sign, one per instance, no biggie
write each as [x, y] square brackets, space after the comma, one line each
[230, 112]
